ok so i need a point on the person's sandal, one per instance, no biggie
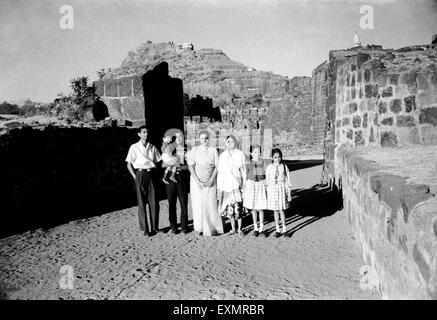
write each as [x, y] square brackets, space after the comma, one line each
[276, 234]
[240, 233]
[256, 233]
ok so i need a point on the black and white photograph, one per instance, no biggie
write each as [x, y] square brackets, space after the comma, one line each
[235, 151]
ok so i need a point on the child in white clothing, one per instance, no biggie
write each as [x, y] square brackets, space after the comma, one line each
[278, 190]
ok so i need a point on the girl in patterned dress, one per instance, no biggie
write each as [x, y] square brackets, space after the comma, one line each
[255, 194]
[278, 190]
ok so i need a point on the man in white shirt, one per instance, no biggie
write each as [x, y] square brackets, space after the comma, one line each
[141, 163]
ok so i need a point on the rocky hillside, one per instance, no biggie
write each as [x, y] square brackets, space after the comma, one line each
[206, 72]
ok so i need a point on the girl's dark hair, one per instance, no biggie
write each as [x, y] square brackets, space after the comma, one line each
[233, 138]
[276, 150]
[203, 131]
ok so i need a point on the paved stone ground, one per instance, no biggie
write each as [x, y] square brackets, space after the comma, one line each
[111, 259]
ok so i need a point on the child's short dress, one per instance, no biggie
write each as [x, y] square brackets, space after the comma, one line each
[255, 193]
[278, 187]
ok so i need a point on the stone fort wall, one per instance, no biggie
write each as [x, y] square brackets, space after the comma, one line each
[381, 143]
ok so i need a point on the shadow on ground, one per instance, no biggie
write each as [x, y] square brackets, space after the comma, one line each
[308, 206]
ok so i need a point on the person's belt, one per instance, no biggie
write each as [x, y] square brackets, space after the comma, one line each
[148, 170]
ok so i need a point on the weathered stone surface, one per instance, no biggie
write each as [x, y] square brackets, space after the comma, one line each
[349, 134]
[409, 79]
[353, 107]
[429, 135]
[111, 88]
[134, 108]
[388, 139]
[125, 87]
[387, 121]
[359, 138]
[405, 121]
[356, 121]
[421, 263]
[410, 103]
[393, 79]
[99, 87]
[367, 74]
[114, 108]
[396, 105]
[361, 58]
[138, 86]
[371, 135]
[408, 135]
[388, 92]
[426, 99]
[371, 91]
[428, 116]
[365, 116]
[346, 121]
[422, 81]
[382, 107]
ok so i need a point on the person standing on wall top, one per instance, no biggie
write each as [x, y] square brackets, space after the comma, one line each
[178, 189]
[142, 159]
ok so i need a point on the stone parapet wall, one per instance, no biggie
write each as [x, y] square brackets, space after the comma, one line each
[393, 216]
[52, 174]
[124, 98]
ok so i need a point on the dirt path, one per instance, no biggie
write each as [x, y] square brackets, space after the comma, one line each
[111, 259]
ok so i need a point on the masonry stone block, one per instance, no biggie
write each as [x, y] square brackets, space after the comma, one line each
[365, 116]
[396, 105]
[410, 103]
[422, 81]
[359, 138]
[100, 87]
[346, 122]
[111, 88]
[387, 121]
[408, 135]
[349, 134]
[405, 121]
[356, 121]
[428, 116]
[138, 86]
[409, 79]
[134, 108]
[353, 107]
[388, 139]
[382, 107]
[371, 135]
[359, 76]
[426, 99]
[125, 87]
[393, 79]
[429, 134]
[353, 93]
[114, 107]
[388, 92]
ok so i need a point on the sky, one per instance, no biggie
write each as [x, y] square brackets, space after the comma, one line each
[287, 37]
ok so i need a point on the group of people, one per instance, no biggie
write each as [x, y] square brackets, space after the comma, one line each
[225, 186]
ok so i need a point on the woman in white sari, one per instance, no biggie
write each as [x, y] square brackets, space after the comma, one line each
[231, 178]
[202, 163]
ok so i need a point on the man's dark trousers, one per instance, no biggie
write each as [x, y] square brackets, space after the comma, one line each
[146, 194]
[178, 191]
